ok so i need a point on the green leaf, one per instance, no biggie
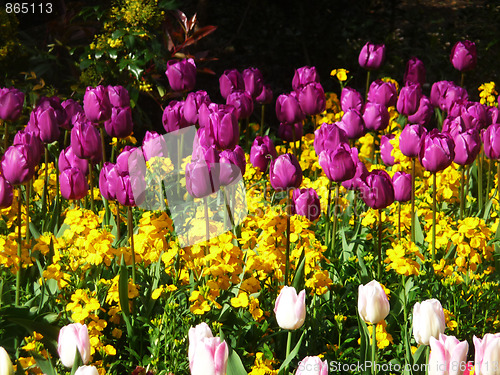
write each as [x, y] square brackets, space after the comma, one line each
[123, 296]
[419, 235]
[77, 363]
[234, 364]
[292, 354]
[419, 355]
[362, 266]
[365, 342]
[44, 364]
[298, 279]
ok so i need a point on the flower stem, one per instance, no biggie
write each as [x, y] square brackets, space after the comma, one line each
[374, 348]
[5, 135]
[335, 214]
[328, 214]
[379, 250]
[367, 83]
[288, 348]
[91, 178]
[262, 112]
[287, 254]
[480, 180]
[412, 229]
[130, 227]
[19, 247]
[44, 193]
[103, 145]
[488, 179]
[433, 216]
[462, 196]
[399, 221]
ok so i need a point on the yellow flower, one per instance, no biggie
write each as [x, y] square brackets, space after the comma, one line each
[341, 74]
[240, 301]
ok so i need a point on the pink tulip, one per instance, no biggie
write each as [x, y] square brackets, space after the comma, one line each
[290, 308]
[373, 305]
[487, 354]
[72, 337]
[210, 357]
[428, 321]
[448, 356]
[312, 366]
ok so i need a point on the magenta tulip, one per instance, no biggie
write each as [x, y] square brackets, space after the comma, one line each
[337, 163]
[305, 202]
[96, 104]
[304, 76]
[17, 165]
[402, 186]
[352, 124]
[377, 189]
[261, 152]
[74, 112]
[372, 56]
[285, 172]
[118, 96]
[154, 144]
[409, 99]
[224, 127]
[463, 55]
[359, 175]
[437, 151]
[68, 159]
[254, 81]
[202, 174]
[242, 103]
[386, 149]
[424, 112]
[291, 132]
[35, 145]
[11, 103]
[230, 81]
[43, 123]
[351, 99]
[120, 125]
[410, 140]
[415, 71]
[73, 183]
[6, 193]
[375, 116]
[192, 105]
[384, 93]
[467, 146]
[86, 142]
[288, 109]
[312, 99]
[265, 96]
[232, 165]
[106, 187]
[173, 116]
[328, 136]
[491, 141]
[181, 74]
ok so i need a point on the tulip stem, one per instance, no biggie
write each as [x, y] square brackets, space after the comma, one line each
[488, 180]
[480, 180]
[293, 138]
[498, 180]
[262, 112]
[91, 178]
[328, 221]
[336, 203]
[28, 191]
[412, 229]
[367, 83]
[374, 348]
[5, 135]
[228, 208]
[462, 195]
[44, 193]
[19, 247]
[434, 183]
[131, 238]
[287, 254]
[288, 348]
[379, 250]
[118, 231]
[207, 224]
[462, 79]
[399, 221]
[103, 145]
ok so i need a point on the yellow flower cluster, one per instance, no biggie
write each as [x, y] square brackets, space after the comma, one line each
[262, 365]
[333, 111]
[341, 74]
[402, 258]
[488, 94]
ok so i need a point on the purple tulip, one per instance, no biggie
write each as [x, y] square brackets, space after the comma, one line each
[352, 124]
[291, 132]
[409, 99]
[261, 152]
[120, 125]
[359, 175]
[377, 189]
[230, 81]
[202, 174]
[11, 103]
[454, 94]
[424, 112]
[265, 96]
[437, 151]
[73, 184]
[372, 56]
[68, 159]
[124, 191]
[96, 104]
[491, 141]
[351, 99]
[467, 146]
[173, 116]
[154, 144]
[6, 193]
[402, 186]
[122, 160]
[17, 165]
[312, 99]
[492, 115]
[253, 80]
[86, 142]
[203, 138]
[43, 123]
[338, 163]
[181, 74]
[415, 71]
[118, 96]
[232, 165]
[463, 56]
[386, 149]
[328, 136]
[35, 145]
[304, 76]
[55, 103]
[285, 172]
[74, 112]
[375, 116]
[410, 140]
[204, 113]
[305, 202]
[474, 114]
[242, 103]
[453, 126]
[288, 108]
[224, 127]
[384, 93]
[107, 189]
[438, 93]
[192, 105]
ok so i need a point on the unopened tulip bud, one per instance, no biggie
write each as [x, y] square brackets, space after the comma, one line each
[373, 305]
[290, 308]
[73, 337]
[428, 321]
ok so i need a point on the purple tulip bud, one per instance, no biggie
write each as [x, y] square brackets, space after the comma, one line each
[118, 96]
[11, 103]
[181, 74]
[410, 140]
[474, 114]
[6, 193]
[386, 149]
[265, 96]
[262, 151]
[304, 76]
[338, 163]
[467, 146]
[402, 186]
[291, 132]
[288, 108]
[285, 172]
[453, 126]
[352, 124]
[437, 151]
[203, 173]
[375, 116]
[122, 160]
[73, 184]
[68, 159]
[107, 189]
[384, 93]
[312, 99]
[242, 103]
[55, 103]
[43, 123]
[96, 104]
[305, 202]
[73, 110]
[173, 116]
[35, 145]
[204, 138]
[415, 71]
[491, 141]
[124, 191]
[153, 145]
[361, 172]
[232, 165]
[230, 81]
[192, 105]
[224, 127]
[409, 99]
[204, 113]
[464, 56]
[254, 81]
[372, 56]
[351, 99]
[377, 189]
[328, 136]
[17, 165]
[454, 94]
[86, 142]
[424, 112]
[120, 125]
[438, 93]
